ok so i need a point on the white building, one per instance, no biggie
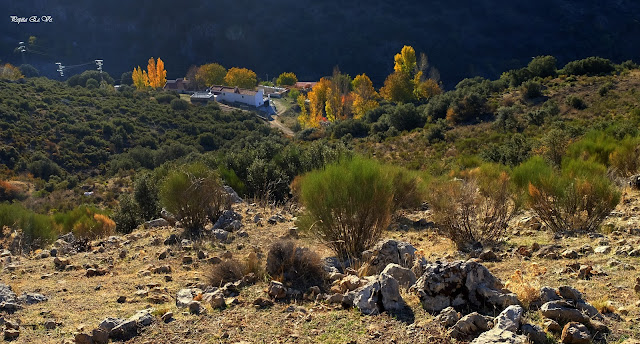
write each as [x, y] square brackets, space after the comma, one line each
[226, 94]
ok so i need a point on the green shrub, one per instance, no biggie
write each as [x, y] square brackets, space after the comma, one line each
[476, 208]
[348, 205]
[296, 267]
[179, 105]
[575, 199]
[542, 66]
[408, 187]
[165, 97]
[576, 102]
[532, 89]
[194, 194]
[145, 193]
[589, 66]
[85, 222]
[127, 215]
[37, 230]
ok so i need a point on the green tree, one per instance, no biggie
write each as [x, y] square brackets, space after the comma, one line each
[127, 215]
[145, 193]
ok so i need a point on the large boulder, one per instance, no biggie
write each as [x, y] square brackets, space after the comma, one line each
[563, 312]
[461, 284]
[6, 293]
[226, 219]
[379, 295]
[233, 195]
[405, 277]
[387, 252]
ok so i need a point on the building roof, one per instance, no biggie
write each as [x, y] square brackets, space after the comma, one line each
[237, 90]
[175, 84]
[202, 95]
[305, 84]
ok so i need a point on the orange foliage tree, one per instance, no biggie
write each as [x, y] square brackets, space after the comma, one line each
[155, 76]
[10, 72]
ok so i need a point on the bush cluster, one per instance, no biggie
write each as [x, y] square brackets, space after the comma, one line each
[296, 267]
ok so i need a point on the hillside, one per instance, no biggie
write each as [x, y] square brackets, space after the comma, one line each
[462, 39]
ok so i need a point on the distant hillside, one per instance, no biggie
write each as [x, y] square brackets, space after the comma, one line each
[463, 38]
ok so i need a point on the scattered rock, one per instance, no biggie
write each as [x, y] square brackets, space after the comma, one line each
[262, 303]
[164, 269]
[167, 317]
[156, 223]
[195, 307]
[126, 330]
[83, 338]
[50, 324]
[233, 196]
[226, 219]
[216, 300]
[172, 240]
[569, 254]
[470, 326]
[60, 263]
[100, 336]
[575, 333]
[121, 299]
[277, 290]
[488, 256]
[187, 260]
[602, 250]
[220, 235]
[32, 298]
[552, 326]
[183, 297]
[448, 317]
[534, 333]
[563, 312]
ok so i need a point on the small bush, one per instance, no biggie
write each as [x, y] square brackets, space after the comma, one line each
[9, 192]
[543, 66]
[294, 266]
[408, 187]
[532, 89]
[526, 284]
[348, 205]
[475, 209]
[229, 270]
[165, 98]
[179, 104]
[127, 215]
[194, 194]
[85, 222]
[576, 102]
[576, 199]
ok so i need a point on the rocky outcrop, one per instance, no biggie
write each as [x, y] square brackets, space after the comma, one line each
[461, 284]
[380, 295]
[387, 252]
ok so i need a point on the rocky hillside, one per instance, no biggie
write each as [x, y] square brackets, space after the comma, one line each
[155, 286]
[462, 39]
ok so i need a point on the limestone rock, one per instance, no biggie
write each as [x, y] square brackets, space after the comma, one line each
[575, 333]
[156, 223]
[405, 277]
[563, 312]
[277, 290]
[386, 252]
[470, 326]
[448, 317]
[461, 283]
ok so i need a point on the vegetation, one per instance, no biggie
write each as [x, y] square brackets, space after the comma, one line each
[348, 205]
[195, 195]
[296, 267]
[575, 198]
[476, 208]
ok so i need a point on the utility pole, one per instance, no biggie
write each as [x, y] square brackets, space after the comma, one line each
[99, 65]
[60, 69]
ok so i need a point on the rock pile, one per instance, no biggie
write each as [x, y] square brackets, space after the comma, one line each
[461, 284]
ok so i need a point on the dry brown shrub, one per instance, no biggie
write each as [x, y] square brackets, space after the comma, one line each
[229, 270]
[297, 267]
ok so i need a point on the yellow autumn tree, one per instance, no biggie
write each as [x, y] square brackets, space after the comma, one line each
[10, 72]
[405, 61]
[211, 74]
[364, 96]
[398, 87]
[241, 77]
[140, 78]
[425, 89]
[317, 101]
[303, 118]
[156, 73]
[333, 104]
[161, 74]
[287, 79]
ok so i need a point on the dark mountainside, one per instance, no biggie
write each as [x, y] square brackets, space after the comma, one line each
[461, 38]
